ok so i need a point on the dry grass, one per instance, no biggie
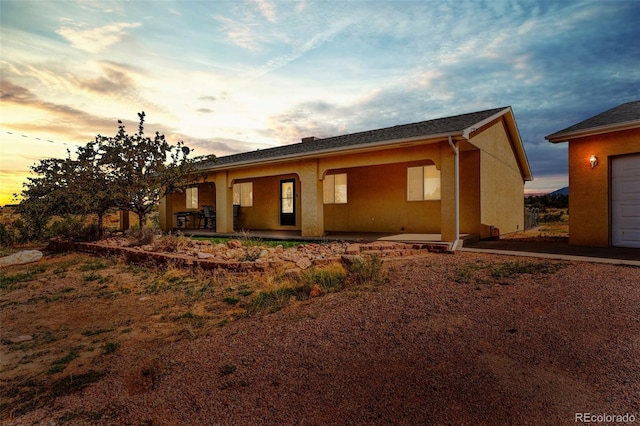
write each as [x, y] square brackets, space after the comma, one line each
[80, 310]
[553, 225]
[452, 339]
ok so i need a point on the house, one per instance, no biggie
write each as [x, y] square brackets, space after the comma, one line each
[604, 177]
[457, 175]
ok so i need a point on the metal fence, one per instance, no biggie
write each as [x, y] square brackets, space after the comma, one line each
[531, 217]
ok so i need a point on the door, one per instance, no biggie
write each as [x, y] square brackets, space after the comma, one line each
[288, 202]
[625, 201]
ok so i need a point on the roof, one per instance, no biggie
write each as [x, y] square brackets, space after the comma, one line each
[425, 129]
[622, 117]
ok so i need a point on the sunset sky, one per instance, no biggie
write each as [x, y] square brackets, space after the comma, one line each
[234, 76]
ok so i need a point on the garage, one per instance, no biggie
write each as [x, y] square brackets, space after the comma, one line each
[625, 201]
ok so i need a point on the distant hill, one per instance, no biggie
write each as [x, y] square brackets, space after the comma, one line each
[561, 191]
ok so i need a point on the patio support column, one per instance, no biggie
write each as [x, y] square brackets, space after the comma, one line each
[165, 213]
[224, 203]
[448, 200]
[456, 193]
[312, 208]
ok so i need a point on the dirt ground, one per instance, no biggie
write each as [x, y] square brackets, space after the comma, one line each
[461, 338]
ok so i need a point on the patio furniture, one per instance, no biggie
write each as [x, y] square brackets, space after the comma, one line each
[236, 213]
[183, 218]
[208, 216]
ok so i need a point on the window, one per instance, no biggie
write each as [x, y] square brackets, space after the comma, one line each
[192, 198]
[423, 183]
[243, 194]
[335, 189]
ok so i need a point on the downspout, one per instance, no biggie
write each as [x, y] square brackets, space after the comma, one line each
[456, 194]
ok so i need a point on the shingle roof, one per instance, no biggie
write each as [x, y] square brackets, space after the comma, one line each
[428, 128]
[620, 114]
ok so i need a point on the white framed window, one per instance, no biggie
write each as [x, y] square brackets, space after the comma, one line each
[192, 198]
[423, 183]
[335, 189]
[243, 194]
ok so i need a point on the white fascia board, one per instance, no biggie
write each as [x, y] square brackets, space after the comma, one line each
[467, 132]
[512, 126]
[564, 137]
[388, 144]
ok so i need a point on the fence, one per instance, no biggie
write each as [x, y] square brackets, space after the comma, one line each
[531, 219]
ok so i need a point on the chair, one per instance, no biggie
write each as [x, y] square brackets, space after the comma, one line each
[208, 215]
[236, 213]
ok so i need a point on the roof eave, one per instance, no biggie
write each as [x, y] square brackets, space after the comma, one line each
[428, 139]
[521, 154]
[466, 133]
[592, 131]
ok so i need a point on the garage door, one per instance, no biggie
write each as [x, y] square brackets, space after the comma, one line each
[625, 201]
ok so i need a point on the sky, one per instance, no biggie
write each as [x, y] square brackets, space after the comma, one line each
[235, 76]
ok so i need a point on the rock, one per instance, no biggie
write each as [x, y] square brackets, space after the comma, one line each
[349, 260]
[202, 255]
[21, 257]
[234, 244]
[303, 263]
[315, 291]
[353, 249]
[20, 339]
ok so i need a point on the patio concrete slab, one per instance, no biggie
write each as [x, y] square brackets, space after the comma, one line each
[558, 250]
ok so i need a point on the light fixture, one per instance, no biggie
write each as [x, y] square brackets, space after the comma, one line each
[593, 160]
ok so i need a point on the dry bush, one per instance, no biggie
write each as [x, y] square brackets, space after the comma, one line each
[141, 237]
[172, 243]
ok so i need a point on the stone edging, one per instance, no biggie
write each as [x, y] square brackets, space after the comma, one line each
[135, 255]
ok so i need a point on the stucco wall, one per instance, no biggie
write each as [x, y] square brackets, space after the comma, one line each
[469, 192]
[265, 212]
[589, 205]
[501, 183]
[377, 202]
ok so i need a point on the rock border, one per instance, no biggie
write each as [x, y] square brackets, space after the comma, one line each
[385, 249]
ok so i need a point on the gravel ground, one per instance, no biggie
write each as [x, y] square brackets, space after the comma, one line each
[449, 339]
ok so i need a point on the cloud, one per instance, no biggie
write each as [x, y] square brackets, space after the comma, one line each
[93, 40]
[314, 42]
[218, 146]
[69, 122]
[268, 9]
[116, 79]
[239, 33]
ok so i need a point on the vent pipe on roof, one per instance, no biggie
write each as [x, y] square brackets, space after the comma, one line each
[456, 194]
[308, 139]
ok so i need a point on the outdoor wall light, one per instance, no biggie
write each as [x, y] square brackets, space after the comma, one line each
[593, 160]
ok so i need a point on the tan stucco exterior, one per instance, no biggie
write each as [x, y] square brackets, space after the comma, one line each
[501, 183]
[589, 199]
[491, 190]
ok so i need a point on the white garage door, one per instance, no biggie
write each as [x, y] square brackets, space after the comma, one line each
[625, 201]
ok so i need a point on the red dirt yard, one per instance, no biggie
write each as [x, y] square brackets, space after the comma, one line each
[465, 338]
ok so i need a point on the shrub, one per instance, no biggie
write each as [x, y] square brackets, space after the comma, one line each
[74, 228]
[249, 240]
[9, 235]
[141, 236]
[172, 243]
[109, 348]
[272, 301]
[366, 270]
[252, 253]
[330, 279]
